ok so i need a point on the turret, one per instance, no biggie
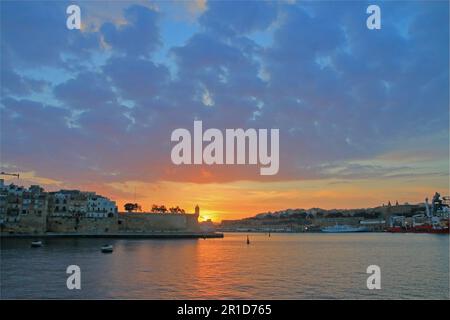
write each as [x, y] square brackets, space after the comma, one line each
[197, 210]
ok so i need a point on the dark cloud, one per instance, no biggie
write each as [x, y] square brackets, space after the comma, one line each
[86, 91]
[32, 128]
[231, 18]
[148, 79]
[337, 91]
[35, 33]
[139, 37]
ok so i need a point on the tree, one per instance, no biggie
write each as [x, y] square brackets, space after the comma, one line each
[176, 209]
[159, 209]
[130, 207]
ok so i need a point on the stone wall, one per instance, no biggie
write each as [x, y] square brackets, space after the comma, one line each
[148, 222]
[82, 225]
[24, 223]
[124, 222]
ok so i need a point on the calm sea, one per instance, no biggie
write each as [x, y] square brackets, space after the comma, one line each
[283, 266]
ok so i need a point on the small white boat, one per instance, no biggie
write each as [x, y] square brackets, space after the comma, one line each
[36, 244]
[107, 248]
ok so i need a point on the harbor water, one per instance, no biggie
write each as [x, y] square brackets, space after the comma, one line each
[282, 266]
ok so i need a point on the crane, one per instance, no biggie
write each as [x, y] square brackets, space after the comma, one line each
[9, 174]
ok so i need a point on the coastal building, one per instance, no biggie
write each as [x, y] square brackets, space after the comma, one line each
[374, 225]
[16, 201]
[33, 210]
[76, 203]
[23, 209]
[34, 201]
[68, 203]
[100, 207]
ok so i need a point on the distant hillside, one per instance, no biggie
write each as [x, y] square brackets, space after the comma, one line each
[313, 219]
[366, 213]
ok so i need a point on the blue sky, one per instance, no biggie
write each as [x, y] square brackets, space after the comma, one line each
[95, 108]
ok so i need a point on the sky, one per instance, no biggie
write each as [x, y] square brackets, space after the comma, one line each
[363, 114]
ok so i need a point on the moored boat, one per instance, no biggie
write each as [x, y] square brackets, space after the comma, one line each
[36, 244]
[435, 220]
[343, 229]
[419, 229]
[107, 248]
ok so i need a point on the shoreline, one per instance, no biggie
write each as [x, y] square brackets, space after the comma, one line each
[152, 235]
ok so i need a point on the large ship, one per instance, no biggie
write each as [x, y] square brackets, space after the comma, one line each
[435, 219]
[343, 229]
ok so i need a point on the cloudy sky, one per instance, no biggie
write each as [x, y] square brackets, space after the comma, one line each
[363, 114]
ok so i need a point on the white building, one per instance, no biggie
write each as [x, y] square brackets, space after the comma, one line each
[83, 204]
[100, 207]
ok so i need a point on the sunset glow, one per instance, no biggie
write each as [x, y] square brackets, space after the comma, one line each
[362, 114]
